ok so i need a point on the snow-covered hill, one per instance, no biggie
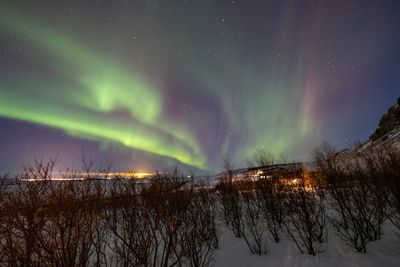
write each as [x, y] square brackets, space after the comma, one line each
[392, 138]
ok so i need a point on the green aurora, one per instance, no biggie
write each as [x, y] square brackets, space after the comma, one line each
[105, 87]
[190, 83]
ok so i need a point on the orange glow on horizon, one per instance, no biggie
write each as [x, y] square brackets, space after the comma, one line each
[59, 176]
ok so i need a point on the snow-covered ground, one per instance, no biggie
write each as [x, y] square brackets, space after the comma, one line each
[385, 252]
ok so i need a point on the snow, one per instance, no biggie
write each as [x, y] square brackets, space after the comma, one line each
[234, 252]
[391, 138]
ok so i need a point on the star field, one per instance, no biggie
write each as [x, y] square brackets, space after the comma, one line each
[153, 84]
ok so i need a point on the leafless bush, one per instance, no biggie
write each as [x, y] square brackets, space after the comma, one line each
[231, 205]
[358, 200]
[270, 195]
[69, 235]
[47, 222]
[305, 218]
[163, 222]
[392, 174]
[261, 158]
[382, 168]
[230, 200]
[25, 216]
[132, 239]
[271, 199]
[372, 165]
[3, 192]
[200, 230]
[253, 224]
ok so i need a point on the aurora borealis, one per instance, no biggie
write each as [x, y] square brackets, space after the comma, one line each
[159, 83]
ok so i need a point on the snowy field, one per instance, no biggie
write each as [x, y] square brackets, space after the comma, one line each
[234, 252]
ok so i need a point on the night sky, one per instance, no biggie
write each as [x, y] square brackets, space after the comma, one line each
[154, 84]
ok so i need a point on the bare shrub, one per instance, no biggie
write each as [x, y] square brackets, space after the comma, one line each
[48, 222]
[3, 192]
[163, 222]
[68, 237]
[382, 166]
[132, 239]
[200, 230]
[170, 203]
[305, 218]
[372, 174]
[271, 199]
[358, 205]
[270, 195]
[253, 224]
[231, 204]
[230, 200]
[25, 217]
[260, 159]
